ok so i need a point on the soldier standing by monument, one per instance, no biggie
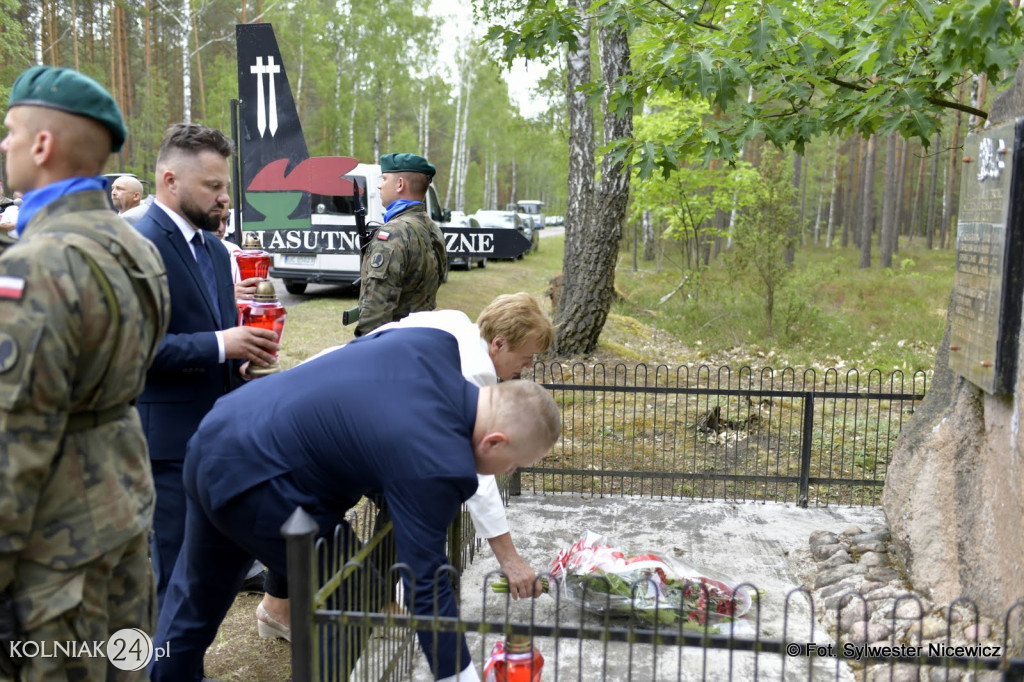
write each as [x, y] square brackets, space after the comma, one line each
[406, 259]
[83, 303]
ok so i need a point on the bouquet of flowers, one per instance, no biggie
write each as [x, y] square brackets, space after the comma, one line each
[658, 590]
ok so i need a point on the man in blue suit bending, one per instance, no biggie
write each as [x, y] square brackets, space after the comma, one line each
[389, 415]
[200, 359]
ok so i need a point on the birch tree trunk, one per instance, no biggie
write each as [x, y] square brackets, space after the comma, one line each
[648, 224]
[581, 184]
[588, 284]
[464, 145]
[831, 229]
[75, 32]
[453, 175]
[352, 118]
[186, 63]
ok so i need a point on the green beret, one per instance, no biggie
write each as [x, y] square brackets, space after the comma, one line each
[71, 92]
[401, 163]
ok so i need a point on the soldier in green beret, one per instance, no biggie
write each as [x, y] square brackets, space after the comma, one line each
[83, 303]
[406, 260]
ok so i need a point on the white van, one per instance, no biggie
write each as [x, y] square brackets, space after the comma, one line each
[329, 251]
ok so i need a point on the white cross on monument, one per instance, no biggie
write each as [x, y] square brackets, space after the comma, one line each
[261, 109]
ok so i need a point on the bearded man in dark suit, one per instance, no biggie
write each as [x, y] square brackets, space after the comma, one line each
[201, 357]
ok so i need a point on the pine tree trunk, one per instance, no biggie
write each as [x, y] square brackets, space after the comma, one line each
[821, 204]
[868, 204]
[850, 200]
[952, 172]
[798, 160]
[915, 211]
[901, 183]
[888, 203]
[930, 225]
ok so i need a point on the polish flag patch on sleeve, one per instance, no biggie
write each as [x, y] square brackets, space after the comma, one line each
[382, 235]
[12, 287]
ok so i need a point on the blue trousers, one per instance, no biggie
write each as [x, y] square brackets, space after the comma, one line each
[218, 548]
[168, 522]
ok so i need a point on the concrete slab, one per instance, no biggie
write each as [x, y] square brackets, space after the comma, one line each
[760, 543]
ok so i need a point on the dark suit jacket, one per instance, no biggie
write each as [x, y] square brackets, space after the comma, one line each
[186, 379]
[333, 439]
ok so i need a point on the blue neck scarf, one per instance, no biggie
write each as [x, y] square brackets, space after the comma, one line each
[397, 206]
[38, 199]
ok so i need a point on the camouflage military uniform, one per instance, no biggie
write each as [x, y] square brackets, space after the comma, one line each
[402, 269]
[76, 493]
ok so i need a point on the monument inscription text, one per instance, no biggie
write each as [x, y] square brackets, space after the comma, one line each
[986, 303]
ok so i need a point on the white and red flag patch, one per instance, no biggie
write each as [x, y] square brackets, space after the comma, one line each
[12, 287]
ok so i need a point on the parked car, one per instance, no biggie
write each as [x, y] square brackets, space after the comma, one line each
[460, 219]
[507, 220]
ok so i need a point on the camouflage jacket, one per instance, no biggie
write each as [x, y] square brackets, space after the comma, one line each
[402, 269]
[74, 471]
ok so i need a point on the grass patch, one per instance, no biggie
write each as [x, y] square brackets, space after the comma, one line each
[830, 313]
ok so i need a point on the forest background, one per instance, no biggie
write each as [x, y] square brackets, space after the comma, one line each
[700, 136]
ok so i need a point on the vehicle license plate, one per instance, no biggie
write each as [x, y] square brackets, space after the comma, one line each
[300, 260]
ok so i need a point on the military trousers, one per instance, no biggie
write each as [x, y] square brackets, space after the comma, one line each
[76, 612]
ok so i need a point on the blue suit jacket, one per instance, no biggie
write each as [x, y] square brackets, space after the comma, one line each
[186, 379]
[387, 414]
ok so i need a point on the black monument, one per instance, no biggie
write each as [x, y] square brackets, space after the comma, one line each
[986, 306]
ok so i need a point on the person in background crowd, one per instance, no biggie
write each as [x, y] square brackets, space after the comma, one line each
[83, 304]
[9, 217]
[125, 193]
[133, 215]
[233, 248]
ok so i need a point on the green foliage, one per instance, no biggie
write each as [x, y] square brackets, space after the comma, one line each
[367, 79]
[789, 70]
[763, 230]
[14, 46]
[682, 204]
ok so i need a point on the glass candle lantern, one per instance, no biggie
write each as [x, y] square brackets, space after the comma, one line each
[266, 312]
[252, 260]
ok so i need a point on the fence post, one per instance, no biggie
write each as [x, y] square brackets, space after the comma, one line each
[299, 533]
[515, 483]
[805, 450]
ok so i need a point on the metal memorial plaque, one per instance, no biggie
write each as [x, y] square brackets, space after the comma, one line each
[986, 306]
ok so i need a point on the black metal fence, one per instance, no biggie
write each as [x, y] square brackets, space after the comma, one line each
[345, 641]
[815, 438]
